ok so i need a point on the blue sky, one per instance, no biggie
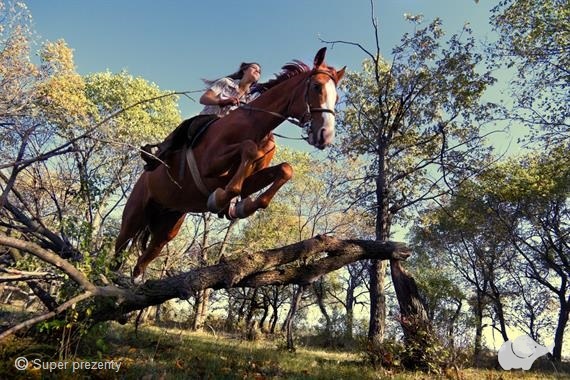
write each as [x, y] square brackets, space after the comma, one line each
[175, 43]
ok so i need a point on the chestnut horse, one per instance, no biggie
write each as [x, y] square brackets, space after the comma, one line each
[231, 159]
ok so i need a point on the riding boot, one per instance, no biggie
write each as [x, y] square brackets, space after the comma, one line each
[150, 153]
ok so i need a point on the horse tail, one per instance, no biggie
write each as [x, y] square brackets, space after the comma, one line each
[142, 236]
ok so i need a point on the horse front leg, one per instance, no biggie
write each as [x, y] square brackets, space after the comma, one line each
[276, 176]
[220, 198]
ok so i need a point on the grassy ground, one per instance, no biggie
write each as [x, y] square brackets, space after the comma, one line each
[156, 353]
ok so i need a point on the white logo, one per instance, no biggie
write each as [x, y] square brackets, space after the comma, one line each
[521, 353]
[21, 363]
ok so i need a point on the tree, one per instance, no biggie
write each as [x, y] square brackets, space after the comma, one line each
[507, 233]
[409, 117]
[533, 203]
[442, 289]
[534, 38]
[464, 232]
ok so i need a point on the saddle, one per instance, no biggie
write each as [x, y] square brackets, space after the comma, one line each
[187, 134]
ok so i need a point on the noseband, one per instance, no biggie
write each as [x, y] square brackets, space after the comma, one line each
[306, 119]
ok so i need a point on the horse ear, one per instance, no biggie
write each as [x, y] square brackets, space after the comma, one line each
[340, 74]
[320, 57]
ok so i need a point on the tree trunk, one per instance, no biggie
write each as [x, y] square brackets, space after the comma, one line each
[291, 316]
[274, 318]
[204, 296]
[412, 308]
[349, 304]
[498, 306]
[241, 310]
[377, 325]
[271, 267]
[252, 307]
[478, 328]
[451, 328]
[319, 291]
[501, 316]
[158, 314]
[265, 308]
[201, 309]
[561, 326]
[230, 318]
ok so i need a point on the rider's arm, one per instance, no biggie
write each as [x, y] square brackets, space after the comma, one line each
[210, 98]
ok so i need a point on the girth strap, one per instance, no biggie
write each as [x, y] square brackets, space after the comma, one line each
[196, 173]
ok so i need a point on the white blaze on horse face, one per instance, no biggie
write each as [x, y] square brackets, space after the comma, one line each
[326, 133]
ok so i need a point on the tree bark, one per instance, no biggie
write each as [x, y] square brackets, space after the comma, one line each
[204, 296]
[412, 307]
[377, 324]
[265, 308]
[252, 307]
[254, 270]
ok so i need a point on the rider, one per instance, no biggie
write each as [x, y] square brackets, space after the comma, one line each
[222, 96]
[226, 93]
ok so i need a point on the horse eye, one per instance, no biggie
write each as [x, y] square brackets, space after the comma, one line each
[318, 87]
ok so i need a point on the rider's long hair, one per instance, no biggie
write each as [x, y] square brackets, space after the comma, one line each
[237, 75]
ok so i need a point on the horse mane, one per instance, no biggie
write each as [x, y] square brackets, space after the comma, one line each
[289, 70]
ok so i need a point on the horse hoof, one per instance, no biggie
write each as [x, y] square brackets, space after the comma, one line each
[212, 203]
[232, 213]
[137, 277]
[239, 209]
[138, 280]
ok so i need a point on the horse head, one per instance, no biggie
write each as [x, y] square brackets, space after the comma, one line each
[318, 115]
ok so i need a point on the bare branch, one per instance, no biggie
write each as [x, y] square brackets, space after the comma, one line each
[50, 258]
[40, 318]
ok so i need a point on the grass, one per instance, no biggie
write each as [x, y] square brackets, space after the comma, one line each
[160, 353]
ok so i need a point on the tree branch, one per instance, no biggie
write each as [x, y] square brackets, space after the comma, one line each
[46, 316]
[50, 258]
[311, 259]
[257, 269]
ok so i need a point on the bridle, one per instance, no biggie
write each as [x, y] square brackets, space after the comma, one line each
[306, 120]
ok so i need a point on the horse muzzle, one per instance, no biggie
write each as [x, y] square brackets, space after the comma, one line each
[322, 138]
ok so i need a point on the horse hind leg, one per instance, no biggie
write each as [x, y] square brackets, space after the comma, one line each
[164, 228]
[133, 221]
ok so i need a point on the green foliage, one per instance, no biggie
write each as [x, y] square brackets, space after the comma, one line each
[537, 34]
[535, 40]
[151, 120]
[427, 355]
[506, 234]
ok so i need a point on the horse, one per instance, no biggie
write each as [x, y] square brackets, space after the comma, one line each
[231, 159]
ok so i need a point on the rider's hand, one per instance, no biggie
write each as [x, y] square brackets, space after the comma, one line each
[228, 102]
